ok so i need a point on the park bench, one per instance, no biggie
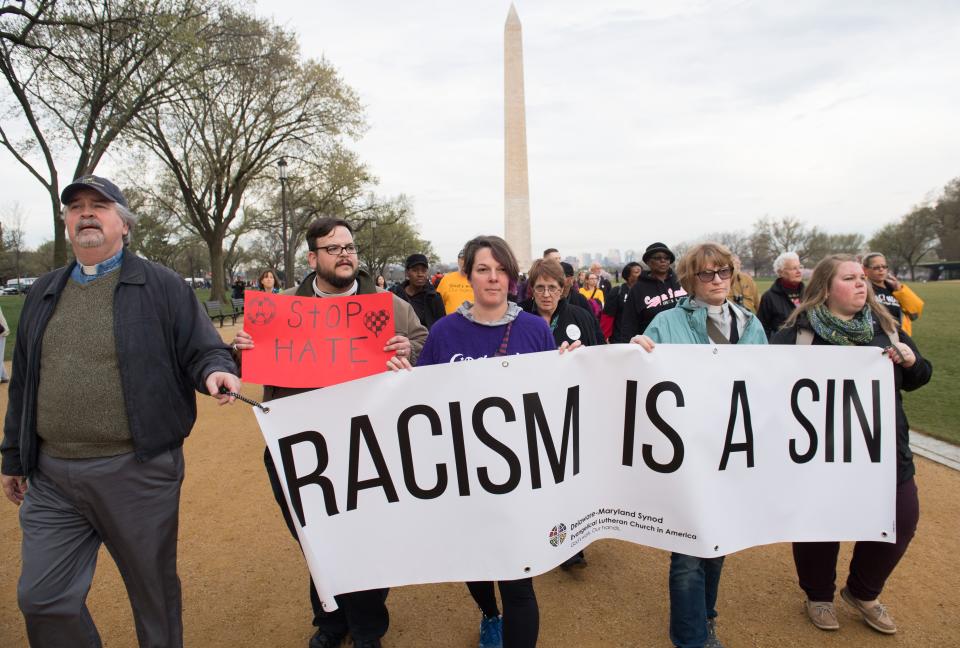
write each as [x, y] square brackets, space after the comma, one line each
[237, 306]
[215, 311]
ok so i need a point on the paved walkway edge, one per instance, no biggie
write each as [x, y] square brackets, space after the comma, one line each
[935, 449]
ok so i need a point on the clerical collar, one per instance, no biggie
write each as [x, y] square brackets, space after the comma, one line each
[319, 293]
[86, 273]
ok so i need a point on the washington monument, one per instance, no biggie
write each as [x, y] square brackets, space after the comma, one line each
[516, 213]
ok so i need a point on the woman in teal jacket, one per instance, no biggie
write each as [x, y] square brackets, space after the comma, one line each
[707, 317]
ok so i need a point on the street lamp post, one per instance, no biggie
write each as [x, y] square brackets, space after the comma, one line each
[282, 163]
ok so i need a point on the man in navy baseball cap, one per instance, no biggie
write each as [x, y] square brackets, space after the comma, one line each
[102, 186]
[105, 467]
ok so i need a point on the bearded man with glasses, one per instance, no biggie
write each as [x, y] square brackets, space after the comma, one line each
[337, 273]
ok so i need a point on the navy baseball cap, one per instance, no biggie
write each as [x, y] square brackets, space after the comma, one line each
[567, 269]
[102, 186]
[417, 259]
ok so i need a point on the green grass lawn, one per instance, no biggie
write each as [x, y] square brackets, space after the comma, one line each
[934, 409]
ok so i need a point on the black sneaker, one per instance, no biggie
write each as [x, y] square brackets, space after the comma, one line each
[576, 560]
[367, 643]
[325, 639]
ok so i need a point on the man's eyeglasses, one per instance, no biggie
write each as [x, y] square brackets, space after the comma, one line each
[879, 267]
[659, 257]
[546, 290]
[337, 250]
[706, 276]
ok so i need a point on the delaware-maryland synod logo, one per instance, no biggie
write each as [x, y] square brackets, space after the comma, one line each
[261, 311]
[558, 534]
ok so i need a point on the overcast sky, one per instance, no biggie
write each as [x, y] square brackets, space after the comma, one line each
[652, 121]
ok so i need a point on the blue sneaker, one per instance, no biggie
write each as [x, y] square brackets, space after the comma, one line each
[491, 632]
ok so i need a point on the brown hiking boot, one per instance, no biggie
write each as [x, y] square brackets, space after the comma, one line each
[873, 612]
[823, 615]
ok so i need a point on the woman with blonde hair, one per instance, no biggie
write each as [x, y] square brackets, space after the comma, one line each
[839, 308]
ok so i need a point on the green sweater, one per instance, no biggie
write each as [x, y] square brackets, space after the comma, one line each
[80, 407]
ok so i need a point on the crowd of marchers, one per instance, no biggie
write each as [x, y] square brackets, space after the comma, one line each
[92, 442]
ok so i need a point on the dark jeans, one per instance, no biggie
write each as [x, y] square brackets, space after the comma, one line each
[872, 562]
[364, 614]
[693, 598]
[521, 614]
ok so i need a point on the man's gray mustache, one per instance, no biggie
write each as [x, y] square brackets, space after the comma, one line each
[88, 223]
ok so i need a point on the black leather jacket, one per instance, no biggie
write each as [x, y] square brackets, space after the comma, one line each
[166, 347]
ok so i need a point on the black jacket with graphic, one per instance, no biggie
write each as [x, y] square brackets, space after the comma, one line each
[648, 297]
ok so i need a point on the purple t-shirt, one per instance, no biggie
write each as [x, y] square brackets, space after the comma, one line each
[455, 338]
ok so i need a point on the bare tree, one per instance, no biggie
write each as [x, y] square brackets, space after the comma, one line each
[227, 125]
[14, 239]
[331, 182]
[946, 219]
[908, 241]
[79, 70]
[388, 234]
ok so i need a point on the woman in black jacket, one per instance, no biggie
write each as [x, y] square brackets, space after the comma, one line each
[840, 309]
[778, 303]
[568, 323]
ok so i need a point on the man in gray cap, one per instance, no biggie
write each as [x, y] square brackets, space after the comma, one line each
[418, 292]
[109, 354]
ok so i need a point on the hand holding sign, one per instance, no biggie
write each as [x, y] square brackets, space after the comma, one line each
[313, 342]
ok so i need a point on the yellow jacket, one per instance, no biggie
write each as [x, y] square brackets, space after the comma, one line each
[743, 290]
[912, 307]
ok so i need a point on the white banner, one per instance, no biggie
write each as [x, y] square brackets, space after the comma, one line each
[501, 468]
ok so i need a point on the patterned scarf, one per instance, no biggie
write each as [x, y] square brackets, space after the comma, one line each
[834, 330]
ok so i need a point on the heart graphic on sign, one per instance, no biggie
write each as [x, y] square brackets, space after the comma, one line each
[376, 321]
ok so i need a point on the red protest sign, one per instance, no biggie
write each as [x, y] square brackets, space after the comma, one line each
[313, 342]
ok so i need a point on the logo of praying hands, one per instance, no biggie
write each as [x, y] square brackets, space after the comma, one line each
[376, 321]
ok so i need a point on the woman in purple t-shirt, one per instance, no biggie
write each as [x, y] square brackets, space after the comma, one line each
[493, 326]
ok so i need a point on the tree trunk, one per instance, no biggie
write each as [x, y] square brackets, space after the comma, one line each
[217, 276]
[59, 230]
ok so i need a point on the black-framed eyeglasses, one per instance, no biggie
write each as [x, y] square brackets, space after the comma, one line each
[659, 257]
[879, 267]
[546, 290]
[336, 250]
[706, 276]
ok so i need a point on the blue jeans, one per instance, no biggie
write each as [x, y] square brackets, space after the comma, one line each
[693, 598]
